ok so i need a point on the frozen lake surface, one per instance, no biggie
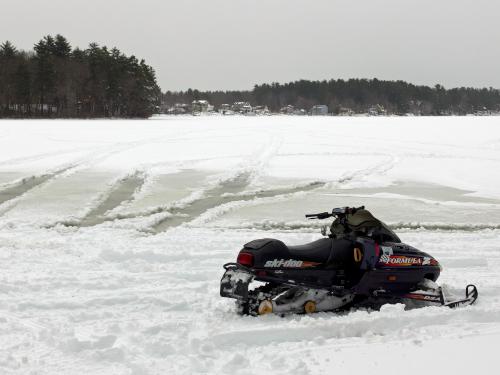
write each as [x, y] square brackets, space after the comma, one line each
[113, 235]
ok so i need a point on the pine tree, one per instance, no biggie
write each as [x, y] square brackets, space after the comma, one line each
[8, 58]
[62, 48]
[23, 88]
[45, 73]
[7, 50]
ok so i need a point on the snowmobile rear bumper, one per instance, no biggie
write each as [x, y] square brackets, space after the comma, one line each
[234, 283]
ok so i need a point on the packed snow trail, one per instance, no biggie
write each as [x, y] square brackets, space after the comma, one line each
[110, 295]
[120, 301]
[120, 193]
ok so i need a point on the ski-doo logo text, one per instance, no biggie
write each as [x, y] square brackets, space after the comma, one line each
[278, 263]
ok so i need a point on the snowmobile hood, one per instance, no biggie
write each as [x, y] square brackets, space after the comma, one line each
[363, 221]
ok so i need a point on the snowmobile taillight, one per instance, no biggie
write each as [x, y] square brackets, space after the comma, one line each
[245, 259]
[262, 273]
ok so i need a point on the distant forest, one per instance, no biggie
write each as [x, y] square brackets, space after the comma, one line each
[55, 80]
[353, 96]
[58, 81]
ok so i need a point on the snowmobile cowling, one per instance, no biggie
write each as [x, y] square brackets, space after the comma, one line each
[361, 263]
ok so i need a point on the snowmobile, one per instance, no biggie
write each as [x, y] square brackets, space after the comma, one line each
[361, 263]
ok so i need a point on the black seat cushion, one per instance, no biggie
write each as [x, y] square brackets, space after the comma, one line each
[260, 243]
[317, 251]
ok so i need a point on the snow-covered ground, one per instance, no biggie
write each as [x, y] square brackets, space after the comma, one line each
[113, 234]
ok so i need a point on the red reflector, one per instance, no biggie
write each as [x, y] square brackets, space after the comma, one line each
[377, 249]
[245, 259]
[392, 278]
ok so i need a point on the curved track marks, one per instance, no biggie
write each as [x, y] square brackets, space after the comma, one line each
[227, 192]
[16, 190]
[22, 187]
[121, 192]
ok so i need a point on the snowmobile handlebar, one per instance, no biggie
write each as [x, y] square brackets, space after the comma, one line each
[320, 216]
[340, 212]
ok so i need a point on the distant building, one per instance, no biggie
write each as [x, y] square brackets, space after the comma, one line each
[319, 110]
[178, 109]
[201, 106]
[225, 109]
[291, 110]
[482, 112]
[344, 111]
[377, 110]
[242, 108]
[261, 110]
[287, 110]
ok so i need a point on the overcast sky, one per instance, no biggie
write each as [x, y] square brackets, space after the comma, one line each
[234, 44]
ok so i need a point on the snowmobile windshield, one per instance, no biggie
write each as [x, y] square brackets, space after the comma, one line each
[364, 222]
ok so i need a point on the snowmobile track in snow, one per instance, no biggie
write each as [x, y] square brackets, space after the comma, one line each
[26, 184]
[226, 192]
[123, 191]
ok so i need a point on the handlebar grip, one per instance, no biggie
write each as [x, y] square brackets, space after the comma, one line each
[322, 215]
[340, 212]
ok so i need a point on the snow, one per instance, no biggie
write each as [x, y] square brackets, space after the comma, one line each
[113, 235]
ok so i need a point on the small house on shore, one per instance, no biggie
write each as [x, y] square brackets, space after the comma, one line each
[319, 110]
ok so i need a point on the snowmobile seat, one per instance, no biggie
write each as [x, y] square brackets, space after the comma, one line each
[317, 251]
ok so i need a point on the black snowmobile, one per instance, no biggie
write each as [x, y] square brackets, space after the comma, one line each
[362, 263]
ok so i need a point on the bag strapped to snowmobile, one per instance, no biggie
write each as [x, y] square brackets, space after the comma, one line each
[357, 221]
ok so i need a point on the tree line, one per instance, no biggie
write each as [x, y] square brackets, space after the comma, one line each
[55, 80]
[355, 95]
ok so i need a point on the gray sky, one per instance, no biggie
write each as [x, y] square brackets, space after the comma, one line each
[233, 44]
